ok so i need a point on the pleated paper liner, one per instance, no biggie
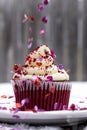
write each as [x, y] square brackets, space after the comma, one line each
[41, 96]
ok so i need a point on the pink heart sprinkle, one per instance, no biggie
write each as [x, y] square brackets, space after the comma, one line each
[53, 54]
[46, 2]
[45, 19]
[42, 31]
[29, 45]
[50, 78]
[25, 18]
[34, 77]
[40, 6]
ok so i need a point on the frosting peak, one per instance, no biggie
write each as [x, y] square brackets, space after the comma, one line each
[43, 50]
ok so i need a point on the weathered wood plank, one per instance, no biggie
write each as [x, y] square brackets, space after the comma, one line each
[66, 34]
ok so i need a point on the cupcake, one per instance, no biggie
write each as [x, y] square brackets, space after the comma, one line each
[40, 84]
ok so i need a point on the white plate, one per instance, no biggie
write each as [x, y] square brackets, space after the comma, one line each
[44, 117]
[78, 97]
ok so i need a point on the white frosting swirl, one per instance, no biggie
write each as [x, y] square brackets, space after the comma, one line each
[41, 70]
[40, 62]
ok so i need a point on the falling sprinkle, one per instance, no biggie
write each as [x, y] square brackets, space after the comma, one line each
[42, 31]
[60, 66]
[31, 18]
[45, 19]
[29, 45]
[46, 2]
[53, 54]
[25, 18]
[40, 6]
[49, 78]
[30, 42]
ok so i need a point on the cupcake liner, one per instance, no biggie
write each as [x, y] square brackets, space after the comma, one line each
[42, 97]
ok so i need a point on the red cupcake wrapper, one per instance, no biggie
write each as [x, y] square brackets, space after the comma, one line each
[42, 97]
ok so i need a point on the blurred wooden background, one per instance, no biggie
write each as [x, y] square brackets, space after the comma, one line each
[66, 34]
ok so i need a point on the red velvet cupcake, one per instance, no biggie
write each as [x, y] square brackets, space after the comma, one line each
[40, 84]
